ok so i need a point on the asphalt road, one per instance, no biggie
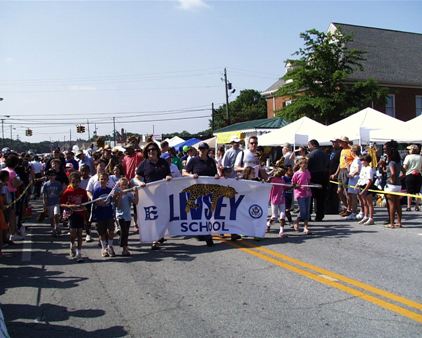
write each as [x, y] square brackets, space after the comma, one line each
[346, 280]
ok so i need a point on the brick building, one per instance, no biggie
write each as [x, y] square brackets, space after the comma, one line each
[393, 58]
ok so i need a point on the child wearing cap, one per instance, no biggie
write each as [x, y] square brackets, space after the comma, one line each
[51, 191]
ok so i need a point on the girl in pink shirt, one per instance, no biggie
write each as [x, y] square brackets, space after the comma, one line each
[302, 194]
[277, 200]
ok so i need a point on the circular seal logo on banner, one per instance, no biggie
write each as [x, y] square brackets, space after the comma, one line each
[255, 211]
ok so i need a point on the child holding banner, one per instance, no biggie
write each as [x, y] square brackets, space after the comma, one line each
[302, 195]
[277, 200]
[124, 201]
[103, 215]
[71, 201]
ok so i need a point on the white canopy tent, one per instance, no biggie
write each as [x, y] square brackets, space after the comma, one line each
[408, 132]
[174, 141]
[298, 132]
[361, 126]
[212, 142]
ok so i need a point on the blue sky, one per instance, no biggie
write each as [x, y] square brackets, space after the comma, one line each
[73, 61]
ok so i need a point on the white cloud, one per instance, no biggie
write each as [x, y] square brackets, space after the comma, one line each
[189, 5]
[81, 88]
[9, 59]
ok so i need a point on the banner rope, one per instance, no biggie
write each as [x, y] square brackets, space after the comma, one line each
[381, 192]
[22, 194]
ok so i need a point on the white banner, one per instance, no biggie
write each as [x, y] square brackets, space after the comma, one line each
[190, 207]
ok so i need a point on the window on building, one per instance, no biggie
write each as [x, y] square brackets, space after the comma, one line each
[418, 105]
[390, 105]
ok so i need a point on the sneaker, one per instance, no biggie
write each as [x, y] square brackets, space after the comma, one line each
[79, 258]
[210, 242]
[345, 213]
[341, 213]
[359, 215]
[370, 221]
[88, 238]
[281, 234]
[351, 217]
[72, 251]
[22, 231]
[363, 220]
[126, 253]
[15, 237]
[111, 252]
[155, 246]
[104, 253]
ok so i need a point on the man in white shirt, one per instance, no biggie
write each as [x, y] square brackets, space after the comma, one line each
[37, 169]
[248, 157]
[288, 155]
[229, 158]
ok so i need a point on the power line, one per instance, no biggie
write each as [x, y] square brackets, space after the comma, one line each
[120, 122]
[120, 115]
[95, 89]
[112, 78]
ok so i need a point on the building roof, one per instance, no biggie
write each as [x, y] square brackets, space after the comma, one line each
[274, 87]
[392, 57]
[274, 123]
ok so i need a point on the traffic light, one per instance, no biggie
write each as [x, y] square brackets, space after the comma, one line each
[28, 132]
[78, 129]
[82, 129]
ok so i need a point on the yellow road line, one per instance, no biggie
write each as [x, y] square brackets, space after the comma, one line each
[323, 280]
[361, 285]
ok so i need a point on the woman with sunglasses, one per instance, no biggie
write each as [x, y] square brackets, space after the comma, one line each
[152, 168]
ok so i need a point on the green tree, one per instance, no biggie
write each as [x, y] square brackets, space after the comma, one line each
[317, 81]
[249, 105]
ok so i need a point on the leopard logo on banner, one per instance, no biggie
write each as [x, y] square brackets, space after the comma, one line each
[216, 191]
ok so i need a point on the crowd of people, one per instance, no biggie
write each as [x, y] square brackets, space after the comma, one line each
[98, 186]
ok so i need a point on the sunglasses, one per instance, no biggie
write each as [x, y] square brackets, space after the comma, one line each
[253, 142]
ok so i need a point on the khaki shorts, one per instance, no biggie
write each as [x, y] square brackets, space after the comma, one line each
[343, 178]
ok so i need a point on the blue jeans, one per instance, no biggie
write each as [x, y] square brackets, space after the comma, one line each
[304, 208]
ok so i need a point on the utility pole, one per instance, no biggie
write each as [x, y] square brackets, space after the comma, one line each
[70, 139]
[114, 131]
[212, 116]
[227, 96]
[89, 134]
